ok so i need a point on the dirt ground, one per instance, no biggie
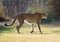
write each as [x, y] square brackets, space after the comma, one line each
[29, 38]
[50, 34]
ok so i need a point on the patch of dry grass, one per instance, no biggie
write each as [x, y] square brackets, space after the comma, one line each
[51, 34]
[29, 38]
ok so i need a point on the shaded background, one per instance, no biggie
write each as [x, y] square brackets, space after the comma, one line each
[10, 8]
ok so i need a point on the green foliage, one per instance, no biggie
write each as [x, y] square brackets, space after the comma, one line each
[29, 10]
[50, 16]
[49, 19]
[5, 29]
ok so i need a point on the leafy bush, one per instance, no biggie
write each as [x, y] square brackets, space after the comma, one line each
[5, 29]
[49, 19]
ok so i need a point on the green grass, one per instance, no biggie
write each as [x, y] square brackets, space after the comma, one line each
[4, 29]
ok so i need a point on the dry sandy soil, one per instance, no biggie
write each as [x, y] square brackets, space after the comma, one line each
[30, 38]
[51, 34]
